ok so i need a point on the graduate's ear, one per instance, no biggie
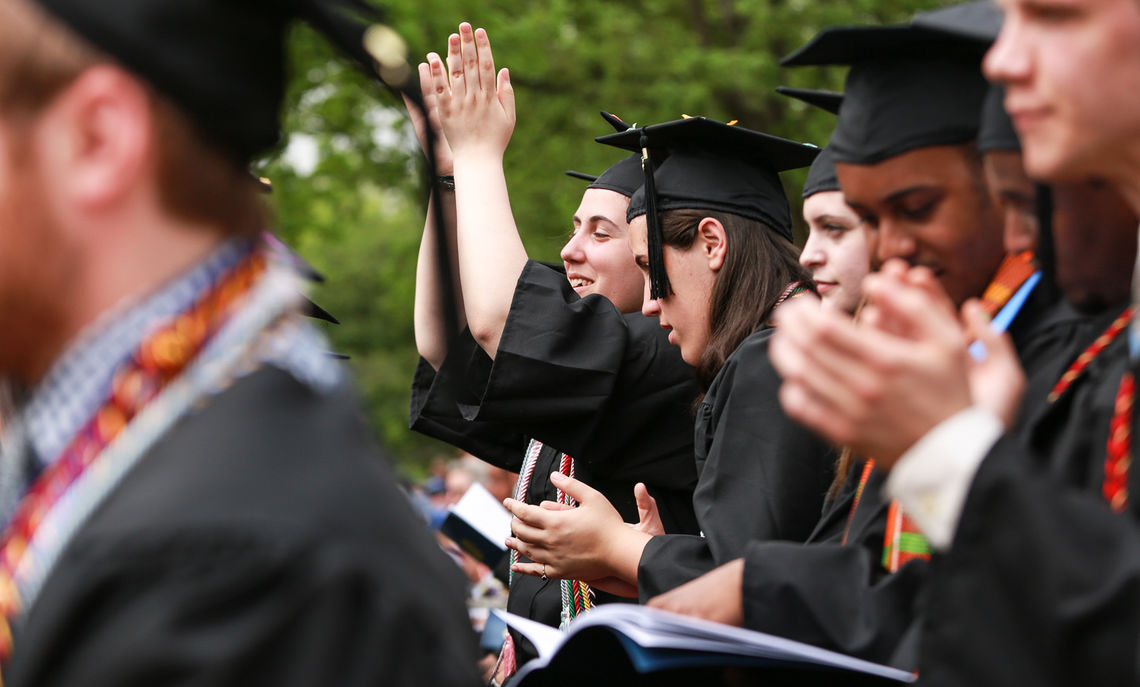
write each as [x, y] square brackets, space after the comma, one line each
[713, 242]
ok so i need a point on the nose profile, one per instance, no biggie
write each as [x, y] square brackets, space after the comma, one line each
[894, 243]
[812, 256]
[1007, 60]
[572, 251]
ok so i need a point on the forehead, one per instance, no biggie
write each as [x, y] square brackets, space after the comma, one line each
[638, 241]
[600, 202]
[1005, 168]
[944, 167]
[826, 203]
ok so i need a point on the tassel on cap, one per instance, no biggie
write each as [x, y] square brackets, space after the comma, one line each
[659, 286]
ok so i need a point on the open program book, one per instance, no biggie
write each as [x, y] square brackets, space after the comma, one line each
[623, 644]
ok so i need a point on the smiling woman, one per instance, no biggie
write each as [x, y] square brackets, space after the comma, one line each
[597, 257]
[557, 373]
[836, 252]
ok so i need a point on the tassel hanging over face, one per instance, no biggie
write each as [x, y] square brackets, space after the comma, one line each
[659, 286]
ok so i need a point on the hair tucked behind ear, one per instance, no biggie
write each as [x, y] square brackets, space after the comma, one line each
[759, 264]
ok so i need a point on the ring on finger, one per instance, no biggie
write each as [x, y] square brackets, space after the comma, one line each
[544, 571]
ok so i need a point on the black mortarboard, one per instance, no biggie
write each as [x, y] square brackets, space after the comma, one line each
[622, 177]
[291, 258]
[709, 166]
[821, 177]
[311, 309]
[221, 61]
[828, 101]
[979, 21]
[909, 87]
[996, 130]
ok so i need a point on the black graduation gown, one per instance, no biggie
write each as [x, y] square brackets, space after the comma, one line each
[762, 476]
[575, 373]
[1052, 575]
[260, 541]
[840, 597]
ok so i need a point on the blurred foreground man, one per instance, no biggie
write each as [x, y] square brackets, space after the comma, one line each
[190, 495]
[1039, 578]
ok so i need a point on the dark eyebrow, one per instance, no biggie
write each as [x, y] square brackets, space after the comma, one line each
[829, 217]
[902, 193]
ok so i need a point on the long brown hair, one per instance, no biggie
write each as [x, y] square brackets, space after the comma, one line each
[759, 264]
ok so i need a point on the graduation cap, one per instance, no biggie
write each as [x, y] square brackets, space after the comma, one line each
[821, 175]
[708, 165]
[996, 130]
[828, 101]
[311, 309]
[622, 177]
[292, 258]
[909, 87]
[978, 21]
[222, 63]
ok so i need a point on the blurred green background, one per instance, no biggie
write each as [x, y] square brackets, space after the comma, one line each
[346, 183]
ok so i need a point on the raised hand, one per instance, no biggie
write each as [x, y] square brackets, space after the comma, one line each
[444, 159]
[476, 106]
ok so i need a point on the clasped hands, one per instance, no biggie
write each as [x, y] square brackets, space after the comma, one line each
[880, 384]
[589, 542]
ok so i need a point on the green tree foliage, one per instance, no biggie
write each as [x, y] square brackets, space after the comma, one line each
[347, 192]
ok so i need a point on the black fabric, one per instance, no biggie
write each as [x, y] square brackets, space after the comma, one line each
[623, 177]
[222, 62]
[893, 106]
[910, 85]
[762, 476]
[977, 21]
[822, 177]
[261, 541]
[1054, 575]
[606, 388]
[838, 595]
[996, 131]
[828, 101]
[1053, 582]
[714, 166]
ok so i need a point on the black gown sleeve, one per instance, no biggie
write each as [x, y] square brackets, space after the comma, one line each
[762, 476]
[603, 387]
[436, 396]
[833, 592]
[1041, 585]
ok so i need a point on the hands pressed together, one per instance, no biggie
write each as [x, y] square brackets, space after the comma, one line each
[590, 542]
[880, 384]
[475, 106]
